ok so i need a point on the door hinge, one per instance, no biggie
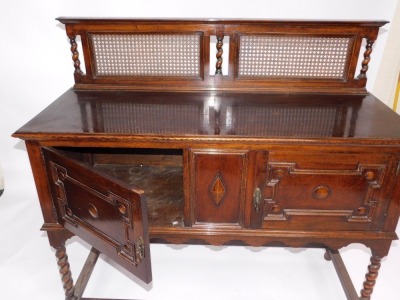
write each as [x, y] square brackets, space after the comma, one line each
[139, 250]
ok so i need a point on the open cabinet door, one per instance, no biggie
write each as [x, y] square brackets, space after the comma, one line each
[103, 211]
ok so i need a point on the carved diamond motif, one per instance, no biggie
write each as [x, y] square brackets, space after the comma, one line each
[218, 189]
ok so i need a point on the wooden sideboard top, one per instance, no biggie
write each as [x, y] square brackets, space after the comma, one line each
[211, 116]
[223, 21]
[155, 81]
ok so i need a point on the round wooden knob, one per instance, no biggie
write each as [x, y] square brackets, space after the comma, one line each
[279, 173]
[276, 208]
[369, 175]
[126, 248]
[361, 210]
[61, 175]
[68, 211]
[122, 209]
[321, 192]
[93, 211]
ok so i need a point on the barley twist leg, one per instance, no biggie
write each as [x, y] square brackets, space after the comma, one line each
[370, 277]
[65, 272]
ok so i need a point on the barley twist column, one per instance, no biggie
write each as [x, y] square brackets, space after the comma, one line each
[218, 65]
[370, 278]
[367, 58]
[75, 55]
[65, 272]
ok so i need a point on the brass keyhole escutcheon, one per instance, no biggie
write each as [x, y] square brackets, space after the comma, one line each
[93, 211]
[321, 192]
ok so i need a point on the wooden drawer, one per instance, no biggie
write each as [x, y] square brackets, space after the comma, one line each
[323, 191]
[107, 213]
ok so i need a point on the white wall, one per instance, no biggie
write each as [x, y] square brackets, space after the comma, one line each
[36, 67]
[388, 72]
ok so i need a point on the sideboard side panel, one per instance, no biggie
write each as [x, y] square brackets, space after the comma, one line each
[55, 231]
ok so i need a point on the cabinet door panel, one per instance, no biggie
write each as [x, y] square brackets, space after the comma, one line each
[108, 214]
[324, 191]
[218, 187]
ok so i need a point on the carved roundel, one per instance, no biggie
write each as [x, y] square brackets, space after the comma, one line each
[321, 192]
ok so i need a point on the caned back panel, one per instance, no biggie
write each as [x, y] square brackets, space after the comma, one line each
[146, 54]
[293, 56]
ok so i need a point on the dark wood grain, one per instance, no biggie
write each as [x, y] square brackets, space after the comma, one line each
[356, 31]
[86, 272]
[65, 271]
[188, 117]
[108, 214]
[218, 183]
[370, 278]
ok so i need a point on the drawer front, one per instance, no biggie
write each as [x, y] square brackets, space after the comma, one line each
[323, 191]
[105, 213]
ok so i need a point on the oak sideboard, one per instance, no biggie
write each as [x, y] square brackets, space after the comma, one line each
[267, 138]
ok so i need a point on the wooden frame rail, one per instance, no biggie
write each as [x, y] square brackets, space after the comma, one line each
[330, 255]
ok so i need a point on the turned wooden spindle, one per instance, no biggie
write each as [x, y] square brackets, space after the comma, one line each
[370, 278]
[218, 65]
[75, 55]
[65, 272]
[367, 58]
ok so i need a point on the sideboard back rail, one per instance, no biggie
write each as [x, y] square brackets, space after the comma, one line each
[257, 55]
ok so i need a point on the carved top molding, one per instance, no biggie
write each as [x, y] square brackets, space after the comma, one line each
[87, 20]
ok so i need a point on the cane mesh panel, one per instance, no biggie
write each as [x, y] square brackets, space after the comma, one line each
[293, 56]
[146, 54]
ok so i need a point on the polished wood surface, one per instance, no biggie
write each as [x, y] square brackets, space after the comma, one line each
[109, 215]
[281, 151]
[300, 187]
[218, 179]
[127, 116]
